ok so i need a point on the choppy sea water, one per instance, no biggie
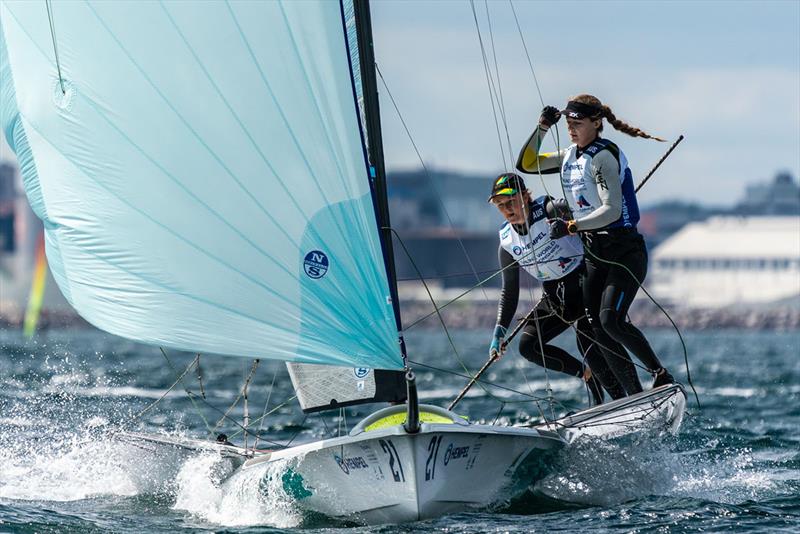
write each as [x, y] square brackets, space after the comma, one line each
[734, 466]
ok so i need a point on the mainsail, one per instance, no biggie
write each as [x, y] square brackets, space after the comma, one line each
[201, 175]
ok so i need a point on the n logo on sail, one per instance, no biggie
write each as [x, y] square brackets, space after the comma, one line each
[316, 264]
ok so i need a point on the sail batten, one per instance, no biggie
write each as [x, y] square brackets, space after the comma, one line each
[202, 180]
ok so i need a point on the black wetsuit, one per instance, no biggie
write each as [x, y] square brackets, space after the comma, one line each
[615, 254]
[560, 306]
[608, 291]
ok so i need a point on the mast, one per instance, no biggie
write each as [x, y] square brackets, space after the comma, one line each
[374, 143]
[377, 172]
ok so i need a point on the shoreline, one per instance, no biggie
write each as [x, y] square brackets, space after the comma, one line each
[482, 315]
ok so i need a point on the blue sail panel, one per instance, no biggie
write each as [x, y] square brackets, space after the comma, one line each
[200, 173]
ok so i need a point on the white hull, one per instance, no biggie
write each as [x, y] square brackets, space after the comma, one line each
[390, 476]
[386, 475]
[653, 411]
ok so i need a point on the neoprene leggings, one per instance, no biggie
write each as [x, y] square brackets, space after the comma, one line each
[608, 291]
[561, 305]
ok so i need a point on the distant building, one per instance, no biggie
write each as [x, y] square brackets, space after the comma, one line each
[779, 197]
[726, 261]
[423, 200]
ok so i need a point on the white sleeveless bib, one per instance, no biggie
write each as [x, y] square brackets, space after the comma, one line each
[542, 257]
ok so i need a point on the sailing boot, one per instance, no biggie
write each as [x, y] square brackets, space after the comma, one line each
[662, 378]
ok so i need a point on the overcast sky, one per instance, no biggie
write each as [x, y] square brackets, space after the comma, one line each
[726, 74]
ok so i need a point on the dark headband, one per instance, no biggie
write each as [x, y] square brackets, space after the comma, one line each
[579, 110]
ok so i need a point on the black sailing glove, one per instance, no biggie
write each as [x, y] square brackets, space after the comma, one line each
[550, 115]
[558, 228]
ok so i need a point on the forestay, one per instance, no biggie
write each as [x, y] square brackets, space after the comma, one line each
[201, 175]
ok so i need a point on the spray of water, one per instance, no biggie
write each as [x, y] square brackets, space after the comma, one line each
[609, 472]
[208, 487]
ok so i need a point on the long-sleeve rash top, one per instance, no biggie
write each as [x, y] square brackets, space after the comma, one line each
[602, 177]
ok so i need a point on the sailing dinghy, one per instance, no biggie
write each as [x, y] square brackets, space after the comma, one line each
[211, 180]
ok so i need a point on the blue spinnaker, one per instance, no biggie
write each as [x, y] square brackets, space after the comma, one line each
[200, 172]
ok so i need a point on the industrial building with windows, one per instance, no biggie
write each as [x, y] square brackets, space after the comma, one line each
[727, 261]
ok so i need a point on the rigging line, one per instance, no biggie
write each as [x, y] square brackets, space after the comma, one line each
[299, 430]
[527, 54]
[324, 424]
[266, 405]
[488, 82]
[200, 377]
[501, 101]
[55, 44]
[501, 105]
[593, 340]
[548, 387]
[438, 314]
[480, 282]
[235, 422]
[531, 398]
[428, 174]
[242, 392]
[272, 411]
[647, 407]
[188, 393]
[456, 275]
[584, 363]
[500, 411]
[554, 131]
[561, 181]
[465, 292]
[152, 404]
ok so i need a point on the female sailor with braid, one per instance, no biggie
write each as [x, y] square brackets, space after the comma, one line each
[600, 192]
[558, 264]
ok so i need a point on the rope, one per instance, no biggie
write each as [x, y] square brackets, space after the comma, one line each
[189, 393]
[554, 131]
[266, 405]
[200, 377]
[531, 398]
[428, 174]
[275, 409]
[163, 396]
[680, 336]
[470, 289]
[488, 82]
[438, 314]
[501, 105]
[242, 392]
[500, 100]
[55, 44]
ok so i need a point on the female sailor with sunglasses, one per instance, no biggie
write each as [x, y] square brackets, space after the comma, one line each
[557, 264]
[599, 188]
